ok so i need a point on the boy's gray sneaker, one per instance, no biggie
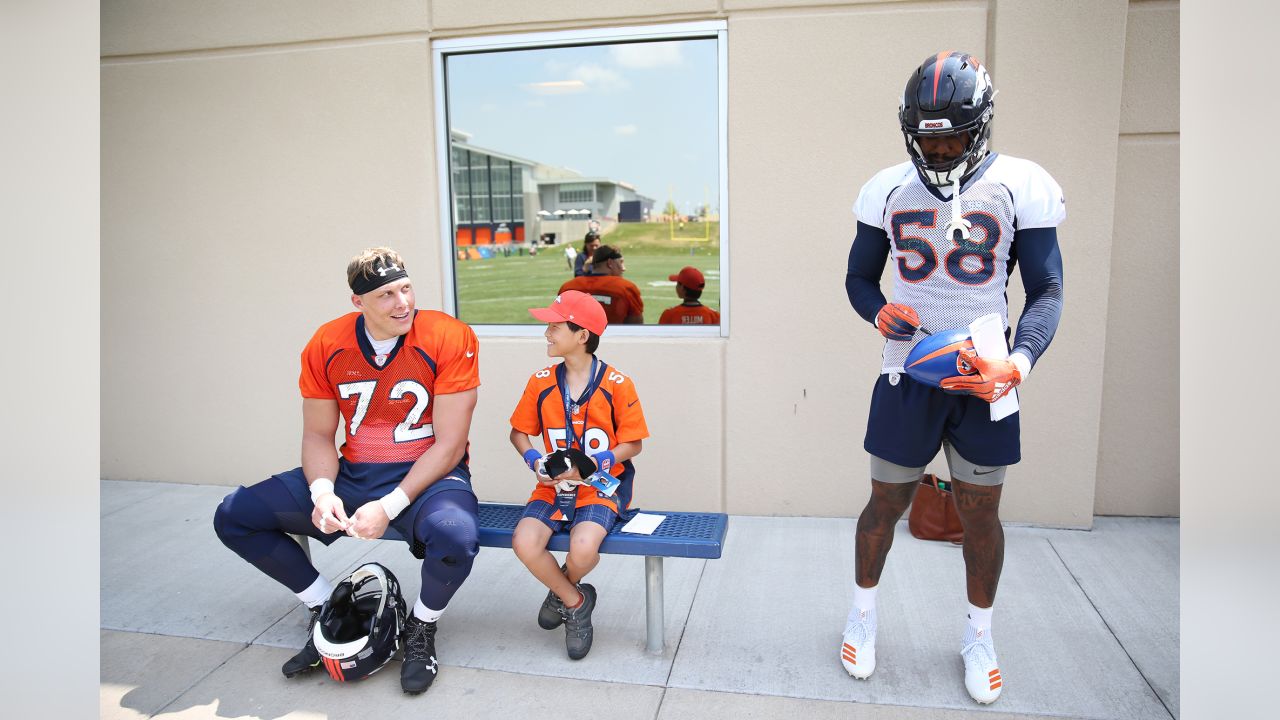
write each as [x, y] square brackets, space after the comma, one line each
[577, 624]
[551, 614]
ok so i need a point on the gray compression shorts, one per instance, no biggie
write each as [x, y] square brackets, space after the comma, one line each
[961, 470]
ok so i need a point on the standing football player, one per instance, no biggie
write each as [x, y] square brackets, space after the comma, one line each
[956, 218]
[404, 381]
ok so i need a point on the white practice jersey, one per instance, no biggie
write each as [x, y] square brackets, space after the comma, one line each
[951, 283]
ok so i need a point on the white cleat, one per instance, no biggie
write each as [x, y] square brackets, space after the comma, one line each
[858, 650]
[981, 671]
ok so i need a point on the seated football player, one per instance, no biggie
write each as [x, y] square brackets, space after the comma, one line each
[404, 383]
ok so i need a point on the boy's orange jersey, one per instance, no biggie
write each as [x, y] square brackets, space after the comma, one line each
[388, 407]
[612, 416]
[689, 315]
[619, 296]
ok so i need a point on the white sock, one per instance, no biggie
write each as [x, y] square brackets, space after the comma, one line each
[864, 605]
[979, 624]
[864, 598]
[316, 593]
[424, 613]
[980, 618]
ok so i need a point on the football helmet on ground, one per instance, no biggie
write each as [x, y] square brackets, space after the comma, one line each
[359, 626]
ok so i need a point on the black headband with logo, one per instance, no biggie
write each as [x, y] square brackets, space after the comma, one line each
[376, 277]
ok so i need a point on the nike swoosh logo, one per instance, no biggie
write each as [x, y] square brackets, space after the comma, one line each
[985, 472]
[470, 353]
[633, 402]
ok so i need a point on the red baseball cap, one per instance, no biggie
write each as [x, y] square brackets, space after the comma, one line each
[576, 307]
[690, 277]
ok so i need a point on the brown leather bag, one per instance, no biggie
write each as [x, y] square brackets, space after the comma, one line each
[933, 512]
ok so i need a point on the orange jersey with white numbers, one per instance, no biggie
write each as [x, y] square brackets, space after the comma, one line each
[619, 296]
[689, 315]
[612, 416]
[387, 401]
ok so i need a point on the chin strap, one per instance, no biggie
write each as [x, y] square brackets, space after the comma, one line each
[957, 223]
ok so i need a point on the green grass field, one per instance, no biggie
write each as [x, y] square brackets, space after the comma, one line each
[501, 290]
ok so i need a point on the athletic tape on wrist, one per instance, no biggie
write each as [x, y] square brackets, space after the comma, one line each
[394, 503]
[320, 486]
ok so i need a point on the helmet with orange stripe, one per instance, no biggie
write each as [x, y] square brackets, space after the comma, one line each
[946, 115]
[938, 357]
[359, 626]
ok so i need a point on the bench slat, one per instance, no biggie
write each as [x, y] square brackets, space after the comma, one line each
[686, 535]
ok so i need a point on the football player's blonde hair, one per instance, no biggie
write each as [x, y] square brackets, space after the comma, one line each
[367, 263]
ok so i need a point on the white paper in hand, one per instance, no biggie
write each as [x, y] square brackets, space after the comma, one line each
[988, 340]
[643, 524]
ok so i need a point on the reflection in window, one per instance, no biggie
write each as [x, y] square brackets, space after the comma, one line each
[548, 143]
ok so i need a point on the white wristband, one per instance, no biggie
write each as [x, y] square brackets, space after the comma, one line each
[1023, 364]
[320, 486]
[394, 503]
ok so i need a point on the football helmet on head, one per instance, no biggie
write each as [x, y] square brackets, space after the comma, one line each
[359, 626]
[949, 95]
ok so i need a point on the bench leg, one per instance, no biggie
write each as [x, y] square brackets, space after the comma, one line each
[304, 542]
[654, 641]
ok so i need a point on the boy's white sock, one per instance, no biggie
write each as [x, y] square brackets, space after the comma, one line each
[424, 613]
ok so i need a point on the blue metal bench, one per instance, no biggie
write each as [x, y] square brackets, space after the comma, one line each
[684, 535]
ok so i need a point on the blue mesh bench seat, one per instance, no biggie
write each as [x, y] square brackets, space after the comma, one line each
[681, 534]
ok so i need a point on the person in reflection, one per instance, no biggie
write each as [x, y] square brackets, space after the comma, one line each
[619, 296]
[689, 285]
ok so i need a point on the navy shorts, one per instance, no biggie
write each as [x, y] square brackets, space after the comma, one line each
[359, 483]
[602, 515]
[909, 420]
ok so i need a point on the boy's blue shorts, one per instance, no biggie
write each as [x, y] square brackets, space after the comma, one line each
[909, 419]
[602, 515]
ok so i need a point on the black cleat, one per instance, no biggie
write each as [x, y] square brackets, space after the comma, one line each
[551, 614]
[307, 658]
[577, 624]
[419, 668]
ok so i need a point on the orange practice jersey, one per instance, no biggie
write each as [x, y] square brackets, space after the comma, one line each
[619, 296]
[540, 412]
[689, 315]
[388, 408]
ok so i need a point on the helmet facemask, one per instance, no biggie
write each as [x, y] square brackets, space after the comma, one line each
[945, 172]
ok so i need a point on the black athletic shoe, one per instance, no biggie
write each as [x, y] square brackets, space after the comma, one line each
[307, 658]
[577, 624]
[419, 668]
[551, 614]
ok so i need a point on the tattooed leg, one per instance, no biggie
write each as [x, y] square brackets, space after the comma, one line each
[875, 528]
[979, 510]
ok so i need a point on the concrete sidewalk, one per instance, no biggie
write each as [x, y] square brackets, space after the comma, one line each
[1086, 626]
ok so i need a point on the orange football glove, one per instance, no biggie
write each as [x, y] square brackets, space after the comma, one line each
[992, 380]
[897, 322]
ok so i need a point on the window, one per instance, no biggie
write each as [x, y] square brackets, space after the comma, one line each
[546, 136]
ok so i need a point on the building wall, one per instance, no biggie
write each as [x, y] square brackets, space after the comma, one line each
[249, 148]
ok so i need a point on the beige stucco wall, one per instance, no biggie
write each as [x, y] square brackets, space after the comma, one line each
[250, 148]
[1138, 433]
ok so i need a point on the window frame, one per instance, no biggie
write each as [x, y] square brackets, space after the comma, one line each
[440, 49]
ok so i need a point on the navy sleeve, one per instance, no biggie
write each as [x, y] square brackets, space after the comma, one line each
[578, 263]
[866, 263]
[1037, 252]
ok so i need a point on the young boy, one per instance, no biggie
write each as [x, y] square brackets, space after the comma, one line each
[689, 284]
[606, 423]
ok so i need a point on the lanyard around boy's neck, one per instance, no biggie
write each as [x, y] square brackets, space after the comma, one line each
[572, 407]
